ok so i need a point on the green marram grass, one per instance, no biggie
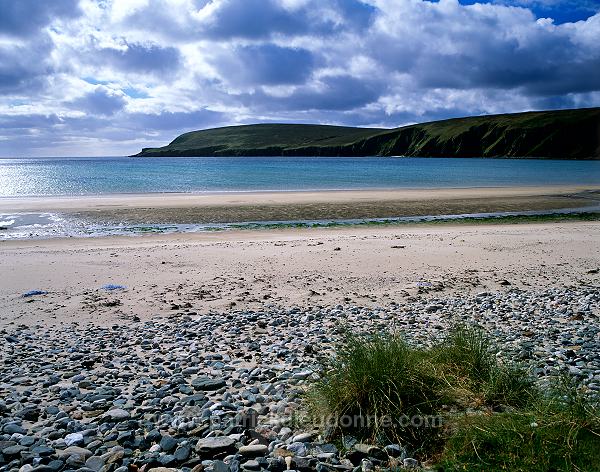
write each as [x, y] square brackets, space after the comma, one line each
[560, 431]
[468, 359]
[482, 412]
[371, 379]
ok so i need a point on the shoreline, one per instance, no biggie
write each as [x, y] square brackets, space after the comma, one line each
[285, 231]
[135, 214]
[73, 204]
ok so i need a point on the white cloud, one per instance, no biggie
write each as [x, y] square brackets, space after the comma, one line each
[113, 75]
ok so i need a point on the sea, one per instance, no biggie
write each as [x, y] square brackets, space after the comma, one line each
[110, 175]
[81, 176]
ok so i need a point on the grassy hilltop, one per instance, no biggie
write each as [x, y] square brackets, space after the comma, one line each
[562, 134]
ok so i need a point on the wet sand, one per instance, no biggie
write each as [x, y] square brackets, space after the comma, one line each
[290, 206]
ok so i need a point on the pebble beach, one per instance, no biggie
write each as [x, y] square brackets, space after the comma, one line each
[196, 384]
[219, 392]
[299, 236]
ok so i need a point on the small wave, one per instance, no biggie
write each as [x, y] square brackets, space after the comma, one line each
[6, 223]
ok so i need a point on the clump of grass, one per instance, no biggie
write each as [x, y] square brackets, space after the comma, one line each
[372, 380]
[469, 357]
[378, 383]
[493, 416]
[511, 386]
[468, 350]
[559, 432]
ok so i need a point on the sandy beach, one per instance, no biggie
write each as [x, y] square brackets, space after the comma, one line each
[200, 330]
[183, 273]
[367, 266]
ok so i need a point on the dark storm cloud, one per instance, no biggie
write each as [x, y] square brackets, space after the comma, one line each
[266, 65]
[26, 17]
[25, 68]
[554, 102]
[260, 19]
[101, 101]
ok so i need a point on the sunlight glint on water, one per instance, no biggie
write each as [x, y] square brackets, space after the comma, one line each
[105, 175]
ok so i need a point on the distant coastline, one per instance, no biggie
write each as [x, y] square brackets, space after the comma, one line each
[558, 134]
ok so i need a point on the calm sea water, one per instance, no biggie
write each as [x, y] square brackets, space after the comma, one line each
[105, 175]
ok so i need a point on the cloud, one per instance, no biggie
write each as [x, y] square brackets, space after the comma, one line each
[230, 19]
[265, 65]
[101, 101]
[24, 67]
[561, 11]
[87, 75]
[118, 134]
[332, 93]
[140, 58]
[24, 122]
[25, 46]
[174, 120]
[261, 19]
[23, 18]
[447, 45]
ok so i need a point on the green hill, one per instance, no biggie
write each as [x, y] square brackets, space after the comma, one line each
[562, 134]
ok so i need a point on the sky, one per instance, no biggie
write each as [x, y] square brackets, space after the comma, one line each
[108, 77]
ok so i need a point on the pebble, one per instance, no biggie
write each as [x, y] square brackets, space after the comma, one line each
[74, 439]
[168, 443]
[117, 414]
[303, 437]
[254, 450]
[298, 448]
[73, 451]
[216, 392]
[214, 445]
[207, 383]
[95, 463]
[182, 453]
